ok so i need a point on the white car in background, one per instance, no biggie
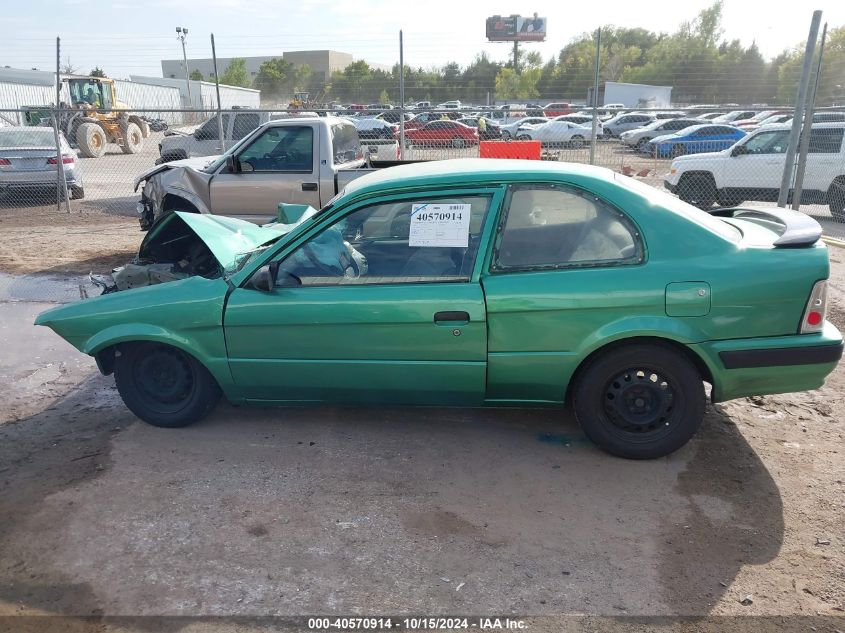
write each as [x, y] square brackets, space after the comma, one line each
[371, 127]
[557, 134]
[640, 137]
[449, 105]
[582, 119]
[510, 130]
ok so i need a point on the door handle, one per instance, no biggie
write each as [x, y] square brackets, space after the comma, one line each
[309, 186]
[451, 317]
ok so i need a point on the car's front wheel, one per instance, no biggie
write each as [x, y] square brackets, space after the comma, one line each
[836, 199]
[639, 401]
[699, 190]
[163, 385]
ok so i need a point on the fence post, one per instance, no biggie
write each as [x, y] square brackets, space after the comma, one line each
[808, 129]
[220, 131]
[596, 99]
[401, 98]
[61, 182]
[797, 119]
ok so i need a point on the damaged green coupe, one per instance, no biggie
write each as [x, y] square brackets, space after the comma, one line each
[472, 283]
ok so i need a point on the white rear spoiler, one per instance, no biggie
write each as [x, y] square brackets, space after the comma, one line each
[794, 228]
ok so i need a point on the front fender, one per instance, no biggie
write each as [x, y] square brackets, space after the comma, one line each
[145, 332]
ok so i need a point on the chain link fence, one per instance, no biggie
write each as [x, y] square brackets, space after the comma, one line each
[101, 153]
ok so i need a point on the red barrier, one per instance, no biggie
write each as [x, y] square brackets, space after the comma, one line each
[525, 150]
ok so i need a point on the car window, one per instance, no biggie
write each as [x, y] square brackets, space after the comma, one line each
[281, 149]
[209, 131]
[826, 140]
[345, 144]
[768, 143]
[560, 227]
[244, 124]
[675, 124]
[420, 240]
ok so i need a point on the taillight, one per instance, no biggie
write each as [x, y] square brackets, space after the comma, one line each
[816, 310]
[5, 162]
[66, 160]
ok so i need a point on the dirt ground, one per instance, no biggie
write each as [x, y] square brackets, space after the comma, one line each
[352, 511]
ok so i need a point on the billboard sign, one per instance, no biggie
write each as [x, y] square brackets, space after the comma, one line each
[510, 28]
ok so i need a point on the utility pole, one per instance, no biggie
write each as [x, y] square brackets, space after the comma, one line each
[181, 34]
[516, 56]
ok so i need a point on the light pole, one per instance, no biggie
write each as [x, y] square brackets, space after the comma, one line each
[182, 34]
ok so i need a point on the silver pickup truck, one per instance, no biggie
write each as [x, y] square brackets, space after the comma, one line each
[304, 160]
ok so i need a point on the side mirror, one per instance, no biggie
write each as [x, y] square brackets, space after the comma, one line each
[264, 278]
[233, 165]
[739, 150]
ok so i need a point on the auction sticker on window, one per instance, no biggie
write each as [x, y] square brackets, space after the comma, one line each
[445, 225]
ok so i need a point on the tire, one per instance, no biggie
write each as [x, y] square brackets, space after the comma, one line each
[642, 145]
[639, 401]
[77, 193]
[676, 150]
[836, 199]
[142, 125]
[523, 137]
[576, 142]
[91, 139]
[163, 385]
[458, 143]
[133, 139]
[506, 136]
[699, 191]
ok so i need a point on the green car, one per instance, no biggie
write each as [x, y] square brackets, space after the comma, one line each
[475, 283]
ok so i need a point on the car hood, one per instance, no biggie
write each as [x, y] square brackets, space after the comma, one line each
[197, 164]
[702, 157]
[226, 238]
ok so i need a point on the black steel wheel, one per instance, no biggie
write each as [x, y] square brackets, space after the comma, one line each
[163, 385]
[639, 401]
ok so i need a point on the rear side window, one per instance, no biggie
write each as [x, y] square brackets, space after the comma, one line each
[551, 226]
[826, 140]
[345, 144]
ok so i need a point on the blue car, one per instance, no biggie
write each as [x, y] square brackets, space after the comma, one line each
[709, 137]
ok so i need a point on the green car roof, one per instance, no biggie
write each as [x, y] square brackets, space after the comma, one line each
[471, 170]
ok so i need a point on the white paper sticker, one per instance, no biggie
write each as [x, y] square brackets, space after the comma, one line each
[442, 225]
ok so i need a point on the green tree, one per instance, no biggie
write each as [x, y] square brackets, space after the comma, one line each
[196, 75]
[510, 85]
[384, 97]
[275, 78]
[97, 72]
[236, 74]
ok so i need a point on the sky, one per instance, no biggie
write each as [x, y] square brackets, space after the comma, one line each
[126, 37]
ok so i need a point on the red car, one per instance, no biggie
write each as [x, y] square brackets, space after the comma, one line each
[427, 117]
[449, 133]
[557, 109]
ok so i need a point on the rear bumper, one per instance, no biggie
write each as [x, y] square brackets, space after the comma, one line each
[779, 364]
[35, 179]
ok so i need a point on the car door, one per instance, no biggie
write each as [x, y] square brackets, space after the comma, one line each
[756, 165]
[564, 265]
[278, 165]
[380, 302]
[824, 157]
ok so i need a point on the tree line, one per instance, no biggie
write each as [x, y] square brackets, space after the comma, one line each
[695, 60]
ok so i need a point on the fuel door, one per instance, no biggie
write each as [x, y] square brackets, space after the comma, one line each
[688, 298]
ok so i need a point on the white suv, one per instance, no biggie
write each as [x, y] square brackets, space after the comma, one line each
[752, 170]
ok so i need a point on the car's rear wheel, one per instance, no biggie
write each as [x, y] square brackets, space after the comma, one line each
[836, 199]
[523, 137]
[576, 142]
[639, 401]
[458, 142]
[676, 150]
[506, 136]
[76, 192]
[163, 385]
[699, 191]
